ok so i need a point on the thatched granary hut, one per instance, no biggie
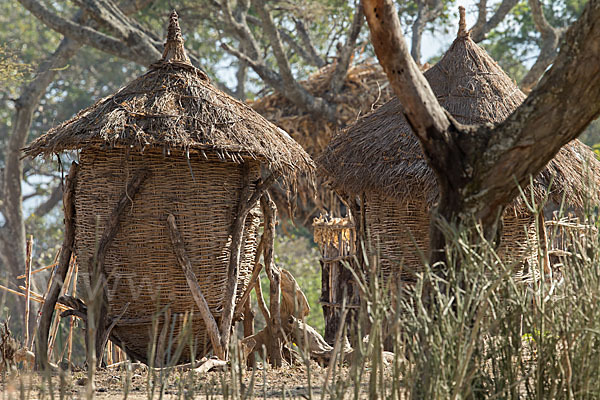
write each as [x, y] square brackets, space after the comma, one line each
[379, 161]
[170, 143]
[365, 89]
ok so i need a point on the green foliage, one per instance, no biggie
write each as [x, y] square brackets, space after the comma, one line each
[12, 71]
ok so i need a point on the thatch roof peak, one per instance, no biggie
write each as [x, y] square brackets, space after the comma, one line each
[174, 48]
[381, 153]
[174, 106]
[462, 23]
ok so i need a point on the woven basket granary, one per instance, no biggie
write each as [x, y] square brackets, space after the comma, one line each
[378, 163]
[201, 150]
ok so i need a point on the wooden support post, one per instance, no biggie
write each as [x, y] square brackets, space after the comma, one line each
[253, 278]
[274, 346]
[28, 256]
[72, 318]
[96, 264]
[192, 281]
[262, 305]
[57, 317]
[43, 299]
[249, 329]
[41, 348]
[237, 234]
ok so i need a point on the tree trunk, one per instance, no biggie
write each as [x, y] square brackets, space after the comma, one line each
[12, 233]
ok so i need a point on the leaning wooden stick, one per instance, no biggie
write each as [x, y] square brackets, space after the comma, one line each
[253, 278]
[96, 265]
[274, 346]
[262, 305]
[72, 318]
[39, 316]
[192, 281]
[57, 317]
[237, 233]
[34, 296]
[28, 285]
[38, 270]
[63, 264]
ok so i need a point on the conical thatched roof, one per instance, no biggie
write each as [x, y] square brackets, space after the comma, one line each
[174, 106]
[381, 153]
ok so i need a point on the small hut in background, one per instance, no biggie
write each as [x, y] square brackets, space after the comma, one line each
[336, 238]
[171, 174]
[365, 89]
[378, 165]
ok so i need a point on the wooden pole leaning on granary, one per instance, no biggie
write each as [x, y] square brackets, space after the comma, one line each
[192, 281]
[98, 309]
[274, 345]
[41, 347]
[237, 230]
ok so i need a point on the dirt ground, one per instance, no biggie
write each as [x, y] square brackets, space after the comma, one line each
[136, 383]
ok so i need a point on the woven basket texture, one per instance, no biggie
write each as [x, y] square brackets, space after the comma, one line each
[141, 267]
[399, 232]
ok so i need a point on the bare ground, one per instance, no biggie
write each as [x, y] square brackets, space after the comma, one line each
[118, 383]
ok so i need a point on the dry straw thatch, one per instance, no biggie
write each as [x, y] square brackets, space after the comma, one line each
[174, 106]
[380, 158]
[201, 154]
[365, 88]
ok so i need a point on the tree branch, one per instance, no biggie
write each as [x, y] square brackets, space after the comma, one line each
[551, 38]
[305, 39]
[427, 12]
[270, 77]
[482, 27]
[306, 55]
[87, 35]
[240, 76]
[242, 31]
[126, 29]
[293, 90]
[421, 108]
[345, 54]
[51, 202]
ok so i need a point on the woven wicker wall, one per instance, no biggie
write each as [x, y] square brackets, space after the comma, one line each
[400, 230]
[140, 266]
